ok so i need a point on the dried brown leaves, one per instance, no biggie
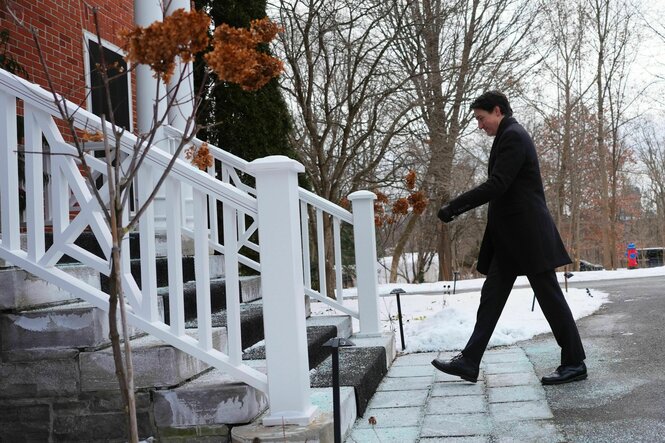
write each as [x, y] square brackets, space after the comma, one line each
[235, 57]
[200, 157]
[181, 34]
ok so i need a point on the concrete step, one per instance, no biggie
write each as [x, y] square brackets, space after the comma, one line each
[156, 364]
[69, 395]
[87, 241]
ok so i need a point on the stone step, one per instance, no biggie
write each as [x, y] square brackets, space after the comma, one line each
[316, 337]
[207, 403]
[201, 406]
[50, 373]
[86, 417]
[179, 399]
[162, 270]
[68, 372]
[156, 364]
[20, 290]
[71, 326]
[163, 414]
[320, 430]
[320, 329]
[250, 290]
[87, 241]
[251, 323]
[361, 366]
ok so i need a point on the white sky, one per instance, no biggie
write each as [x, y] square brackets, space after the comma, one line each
[436, 322]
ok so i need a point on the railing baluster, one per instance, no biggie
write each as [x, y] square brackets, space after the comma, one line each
[212, 208]
[59, 197]
[338, 259]
[132, 297]
[34, 184]
[174, 251]
[304, 229]
[321, 249]
[9, 181]
[145, 186]
[202, 271]
[232, 284]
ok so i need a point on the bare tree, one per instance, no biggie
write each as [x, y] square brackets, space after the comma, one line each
[652, 156]
[565, 25]
[612, 22]
[563, 62]
[453, 51]
[344, 94]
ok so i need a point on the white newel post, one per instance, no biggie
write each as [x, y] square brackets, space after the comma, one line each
[366, 272]
[283, 291]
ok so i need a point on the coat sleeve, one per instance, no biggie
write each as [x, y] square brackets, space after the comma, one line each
[510, 157]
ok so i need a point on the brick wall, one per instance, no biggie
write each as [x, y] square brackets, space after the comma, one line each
[61, 25]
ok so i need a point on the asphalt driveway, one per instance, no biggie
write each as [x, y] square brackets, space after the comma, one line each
[623, 399]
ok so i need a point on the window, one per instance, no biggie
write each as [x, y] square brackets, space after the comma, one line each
[120, 87]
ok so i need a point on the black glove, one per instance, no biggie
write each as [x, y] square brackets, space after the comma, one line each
[445, 214]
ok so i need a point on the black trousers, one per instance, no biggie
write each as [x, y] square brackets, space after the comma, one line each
[493, 297]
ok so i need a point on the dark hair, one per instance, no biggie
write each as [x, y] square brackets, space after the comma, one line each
[488, 100]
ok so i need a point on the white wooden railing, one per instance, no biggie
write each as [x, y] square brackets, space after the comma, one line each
[234, 169]
[273, 210]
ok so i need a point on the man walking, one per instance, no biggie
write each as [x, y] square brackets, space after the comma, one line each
[517, 214]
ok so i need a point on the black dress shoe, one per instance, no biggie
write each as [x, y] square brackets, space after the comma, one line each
[459, 366]
[565, 374]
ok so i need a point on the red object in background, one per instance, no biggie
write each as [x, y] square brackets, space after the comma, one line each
[631, 254]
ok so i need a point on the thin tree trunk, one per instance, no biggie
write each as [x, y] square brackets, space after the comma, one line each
[401, 244]
[124, 372]
[445, 253]
[125, 382]
[445, 247]
[602, 166]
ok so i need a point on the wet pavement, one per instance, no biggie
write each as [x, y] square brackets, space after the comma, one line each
[622, 400]
[417, 403]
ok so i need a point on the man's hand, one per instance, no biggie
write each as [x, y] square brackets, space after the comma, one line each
[445, 214]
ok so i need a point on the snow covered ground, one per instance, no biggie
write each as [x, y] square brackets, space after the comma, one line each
[436, 320]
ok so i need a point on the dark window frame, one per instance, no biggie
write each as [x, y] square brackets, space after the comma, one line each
[121, 90]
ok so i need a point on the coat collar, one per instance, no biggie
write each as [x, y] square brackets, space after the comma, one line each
[505, 122]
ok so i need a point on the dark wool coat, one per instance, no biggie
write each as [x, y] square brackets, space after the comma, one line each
[520, 231]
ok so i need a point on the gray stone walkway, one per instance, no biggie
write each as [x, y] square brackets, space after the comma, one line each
[417, 403]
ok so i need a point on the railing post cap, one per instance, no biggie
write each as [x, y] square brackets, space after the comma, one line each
[275, 163]
[362, 195]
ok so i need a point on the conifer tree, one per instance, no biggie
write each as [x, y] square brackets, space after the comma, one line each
[249, 124]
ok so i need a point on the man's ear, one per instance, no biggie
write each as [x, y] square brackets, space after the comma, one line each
[497, 111]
